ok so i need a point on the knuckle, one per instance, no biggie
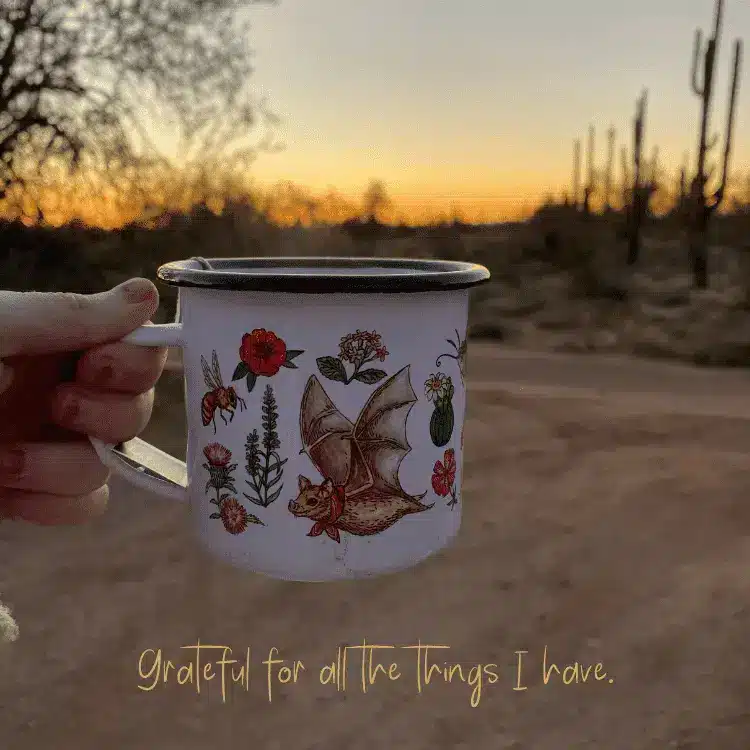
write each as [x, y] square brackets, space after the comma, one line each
[74, 302]
[126, 367]
[77, 307]
[141, 372]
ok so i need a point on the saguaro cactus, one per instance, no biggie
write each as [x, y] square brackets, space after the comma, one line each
[627, 184]
[653, 178]
[682, 186]
[576, 171]
[701, 205]
[588, 190]
[653, 184]
[610, 168]
[640, 192]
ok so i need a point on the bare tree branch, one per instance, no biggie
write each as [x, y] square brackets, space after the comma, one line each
[77, 77]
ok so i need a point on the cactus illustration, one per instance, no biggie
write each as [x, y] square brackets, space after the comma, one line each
[439, 389]
[700, 206]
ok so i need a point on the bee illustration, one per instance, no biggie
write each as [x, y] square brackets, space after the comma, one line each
[219, 398]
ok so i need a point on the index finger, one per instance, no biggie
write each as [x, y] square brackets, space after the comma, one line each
[51, 322]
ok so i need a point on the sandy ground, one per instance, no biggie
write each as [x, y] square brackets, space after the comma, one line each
[606, 518]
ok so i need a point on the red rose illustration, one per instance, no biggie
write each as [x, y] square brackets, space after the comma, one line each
[233, 516]
[217, 455]
[444, 474]
[263, 352]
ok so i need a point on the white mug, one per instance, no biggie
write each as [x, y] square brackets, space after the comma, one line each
[325, 406]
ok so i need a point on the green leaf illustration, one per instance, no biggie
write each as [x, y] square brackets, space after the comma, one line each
[240, 371]
[274, 495]
[254, 500]
[369, 376]
[293, 354]
[264, 465]
[215, 515]
[332, 368]
[251, 378]
[272, 482]
[289, 364]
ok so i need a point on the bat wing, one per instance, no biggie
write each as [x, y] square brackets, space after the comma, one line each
[380, 443]
[326, 433]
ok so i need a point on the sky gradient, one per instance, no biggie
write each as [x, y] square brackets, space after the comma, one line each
[478, 102]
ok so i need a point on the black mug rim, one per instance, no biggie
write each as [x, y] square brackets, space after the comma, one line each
[344, 275]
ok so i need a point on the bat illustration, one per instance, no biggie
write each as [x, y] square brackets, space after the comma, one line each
[360, 492]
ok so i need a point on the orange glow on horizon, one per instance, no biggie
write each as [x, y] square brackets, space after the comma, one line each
[287, 203]
[102, 212]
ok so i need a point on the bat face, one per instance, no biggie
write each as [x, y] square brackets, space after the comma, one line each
[313, 501]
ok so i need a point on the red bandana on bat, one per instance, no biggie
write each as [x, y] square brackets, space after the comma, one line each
[328, 524]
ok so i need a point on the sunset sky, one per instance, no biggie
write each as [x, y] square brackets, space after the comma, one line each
[477, 102]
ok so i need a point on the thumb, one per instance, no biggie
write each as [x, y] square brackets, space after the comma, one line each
[56, 322]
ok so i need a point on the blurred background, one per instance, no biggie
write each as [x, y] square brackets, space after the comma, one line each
[596, 158]
[602, 175]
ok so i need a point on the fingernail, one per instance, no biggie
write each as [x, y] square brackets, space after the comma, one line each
[12, 462]
[138, 291]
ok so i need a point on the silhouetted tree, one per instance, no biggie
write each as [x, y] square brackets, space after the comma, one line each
[76, 79]
[375, 200]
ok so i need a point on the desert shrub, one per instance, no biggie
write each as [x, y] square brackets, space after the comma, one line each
[301, 241]
[44, 259]
[445, 243]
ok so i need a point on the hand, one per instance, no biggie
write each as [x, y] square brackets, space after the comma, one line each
[64, 375]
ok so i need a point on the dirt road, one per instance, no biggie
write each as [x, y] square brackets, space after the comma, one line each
[606, 518]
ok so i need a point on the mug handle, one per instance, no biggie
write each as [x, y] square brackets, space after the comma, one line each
[138, 462]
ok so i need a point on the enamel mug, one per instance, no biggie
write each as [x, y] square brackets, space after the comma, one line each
[325, 406]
